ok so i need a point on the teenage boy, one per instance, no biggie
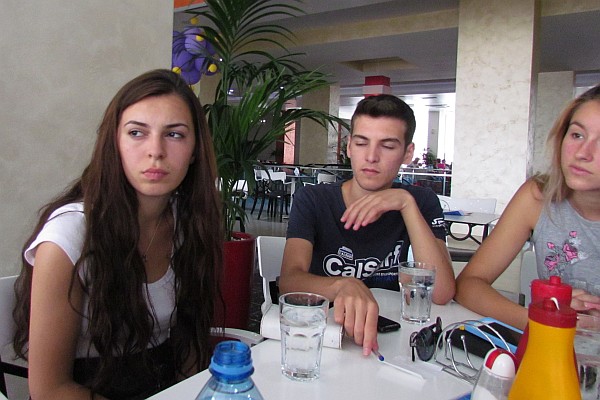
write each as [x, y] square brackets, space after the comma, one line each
[345, 238]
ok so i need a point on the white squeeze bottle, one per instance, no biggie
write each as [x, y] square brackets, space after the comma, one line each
[496, 376]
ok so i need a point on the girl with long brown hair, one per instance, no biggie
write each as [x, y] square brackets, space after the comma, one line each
[559, 212]
[117, 293]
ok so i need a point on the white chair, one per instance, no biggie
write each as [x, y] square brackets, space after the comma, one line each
[8, 365]
[270, 255]
[326, 178]
[241, 186]
[528, 274]
[481, 205]
[248, 337]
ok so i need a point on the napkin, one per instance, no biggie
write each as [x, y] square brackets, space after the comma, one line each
[269, 328]
[419, 369]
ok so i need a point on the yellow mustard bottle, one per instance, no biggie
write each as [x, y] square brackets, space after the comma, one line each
[548, 370]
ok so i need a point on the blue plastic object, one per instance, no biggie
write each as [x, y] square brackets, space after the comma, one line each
[231, 367]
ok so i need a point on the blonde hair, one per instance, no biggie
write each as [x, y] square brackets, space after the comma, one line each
[552, 184]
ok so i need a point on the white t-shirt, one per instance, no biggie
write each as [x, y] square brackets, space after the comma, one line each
[66, 228]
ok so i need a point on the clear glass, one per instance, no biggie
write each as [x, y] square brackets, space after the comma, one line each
[302, 318]
[587, 352]
[416, 281]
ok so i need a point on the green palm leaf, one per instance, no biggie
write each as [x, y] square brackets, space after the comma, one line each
[241, 31]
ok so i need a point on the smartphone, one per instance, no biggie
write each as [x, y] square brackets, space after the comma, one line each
[478, 344]
[386, 325]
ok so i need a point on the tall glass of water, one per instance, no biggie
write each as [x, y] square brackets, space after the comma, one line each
[302, 320]
[416, 287]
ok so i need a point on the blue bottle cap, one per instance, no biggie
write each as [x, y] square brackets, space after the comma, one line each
[232, 359]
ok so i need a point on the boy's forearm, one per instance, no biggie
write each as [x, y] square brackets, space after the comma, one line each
[424, 243]
[427, 248]
[296, 280]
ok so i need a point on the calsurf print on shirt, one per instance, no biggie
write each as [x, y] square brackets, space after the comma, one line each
[343, 263]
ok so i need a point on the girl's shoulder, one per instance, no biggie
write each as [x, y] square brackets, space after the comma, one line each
[526, 204]
[531, 191]
[70, 209]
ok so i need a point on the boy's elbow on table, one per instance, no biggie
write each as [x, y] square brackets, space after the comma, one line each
[444, 294]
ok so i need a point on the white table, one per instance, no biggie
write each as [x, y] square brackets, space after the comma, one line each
[472, 220]
[346, 373]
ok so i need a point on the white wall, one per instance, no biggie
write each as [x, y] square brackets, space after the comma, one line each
[60, 63]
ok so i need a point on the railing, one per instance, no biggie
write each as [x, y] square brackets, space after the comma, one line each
[438, 179]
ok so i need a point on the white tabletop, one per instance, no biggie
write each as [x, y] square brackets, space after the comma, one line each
[346, 373]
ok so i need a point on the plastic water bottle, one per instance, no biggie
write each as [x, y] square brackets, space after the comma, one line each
[231, 367]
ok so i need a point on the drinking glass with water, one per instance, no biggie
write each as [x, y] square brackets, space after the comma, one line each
[416, 281]
[302, 318]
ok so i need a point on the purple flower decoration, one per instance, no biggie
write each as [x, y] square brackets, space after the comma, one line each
[192, 56]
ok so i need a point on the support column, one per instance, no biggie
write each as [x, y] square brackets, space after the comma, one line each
[495, 81]
[316, 144]
[554, 91]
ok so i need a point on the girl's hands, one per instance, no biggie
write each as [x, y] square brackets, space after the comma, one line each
[584, 301]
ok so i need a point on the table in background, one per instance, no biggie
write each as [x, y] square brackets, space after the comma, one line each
[346, 373]
[471, 219]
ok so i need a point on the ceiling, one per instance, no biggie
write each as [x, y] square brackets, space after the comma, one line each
[414, 43]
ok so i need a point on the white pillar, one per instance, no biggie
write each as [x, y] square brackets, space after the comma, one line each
[316, 144]
[496, 72]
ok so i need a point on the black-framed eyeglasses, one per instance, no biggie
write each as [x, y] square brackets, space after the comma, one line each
[424, 341]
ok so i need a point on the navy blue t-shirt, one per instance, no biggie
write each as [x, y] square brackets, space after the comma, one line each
[379, 246]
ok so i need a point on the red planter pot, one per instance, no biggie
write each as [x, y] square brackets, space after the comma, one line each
[236, 283]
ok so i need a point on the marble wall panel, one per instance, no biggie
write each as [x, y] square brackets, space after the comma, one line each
[495, 61]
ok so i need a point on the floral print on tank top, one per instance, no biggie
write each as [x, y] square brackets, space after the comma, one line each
[561, 256]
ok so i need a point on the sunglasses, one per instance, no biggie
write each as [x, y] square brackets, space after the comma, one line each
[424, 341]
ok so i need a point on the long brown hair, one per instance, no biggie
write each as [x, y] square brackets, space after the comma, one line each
[119, 319]
[553, 184]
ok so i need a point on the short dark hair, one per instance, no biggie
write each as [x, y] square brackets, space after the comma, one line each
[386, 105]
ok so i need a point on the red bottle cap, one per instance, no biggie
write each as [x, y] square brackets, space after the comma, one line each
[546, 313]
[501, 362]
[553, 287]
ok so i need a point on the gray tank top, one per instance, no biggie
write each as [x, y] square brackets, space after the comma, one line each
[568, 245]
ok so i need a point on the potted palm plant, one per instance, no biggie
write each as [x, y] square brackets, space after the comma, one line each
[247, 115]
